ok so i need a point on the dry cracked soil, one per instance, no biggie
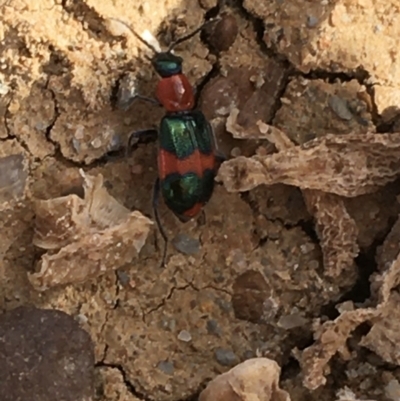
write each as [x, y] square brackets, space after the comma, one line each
[296, 256]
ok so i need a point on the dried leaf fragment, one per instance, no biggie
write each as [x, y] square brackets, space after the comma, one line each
[336, 230]
[256, 379]
[331, 336]
[390, 248]
[384, 336]
[346, 165]
[258, 131]
[85, 237]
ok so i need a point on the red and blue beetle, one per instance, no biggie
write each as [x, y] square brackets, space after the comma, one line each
[188, 159]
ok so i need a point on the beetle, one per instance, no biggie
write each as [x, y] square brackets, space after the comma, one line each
[188, 158]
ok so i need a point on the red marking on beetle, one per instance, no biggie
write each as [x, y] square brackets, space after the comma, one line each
[193, 212]
[197, 163]
[175, 93]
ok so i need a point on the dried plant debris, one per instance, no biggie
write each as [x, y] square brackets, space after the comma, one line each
[259, 130]
[325, 169]
[384, 336]
[85, 237]
[390, 248]
[256, 379]
[383, 283]
[336, 230]
[331, 336]
[346, 165]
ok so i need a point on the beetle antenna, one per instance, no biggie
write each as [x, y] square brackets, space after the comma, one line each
[191, 34]
[135, 34]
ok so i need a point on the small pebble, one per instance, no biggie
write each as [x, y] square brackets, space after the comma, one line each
[79, 133]
[115, 143]
[212, 327]
[184, 336]
[127, 90]
[41, 125]
[223, 33]
[81, 318]
[312, 21]
[186, 245]
[166, 367]
[225, 306]
[76, 145]
[96, 143]
[236, 151]
[123, 277]
[12, 177]
[392, 390]
[340, 107]
[225, 357]
[172, 325]
[292, 321]
[4, 89]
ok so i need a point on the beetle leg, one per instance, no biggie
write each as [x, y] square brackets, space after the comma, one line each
[147, 99]
[220, 156]
[135, 137]
[126, 103]
[202, 219]
[156, 195]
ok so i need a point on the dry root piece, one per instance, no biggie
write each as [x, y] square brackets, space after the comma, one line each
[336, 230]
[85, 238]
[253, 380]
[346, 165]
[332, 335]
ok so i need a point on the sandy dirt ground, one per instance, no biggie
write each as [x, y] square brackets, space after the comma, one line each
[296, 257]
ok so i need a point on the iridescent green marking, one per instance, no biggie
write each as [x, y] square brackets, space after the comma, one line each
[182, 134]
[167, 64]
[182, 192]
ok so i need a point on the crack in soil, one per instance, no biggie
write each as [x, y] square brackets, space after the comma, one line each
[131, 388]
[164, 300]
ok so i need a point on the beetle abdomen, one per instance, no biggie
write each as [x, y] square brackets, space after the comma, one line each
[186, 162]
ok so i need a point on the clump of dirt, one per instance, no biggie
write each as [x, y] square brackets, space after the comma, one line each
[301, 102]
